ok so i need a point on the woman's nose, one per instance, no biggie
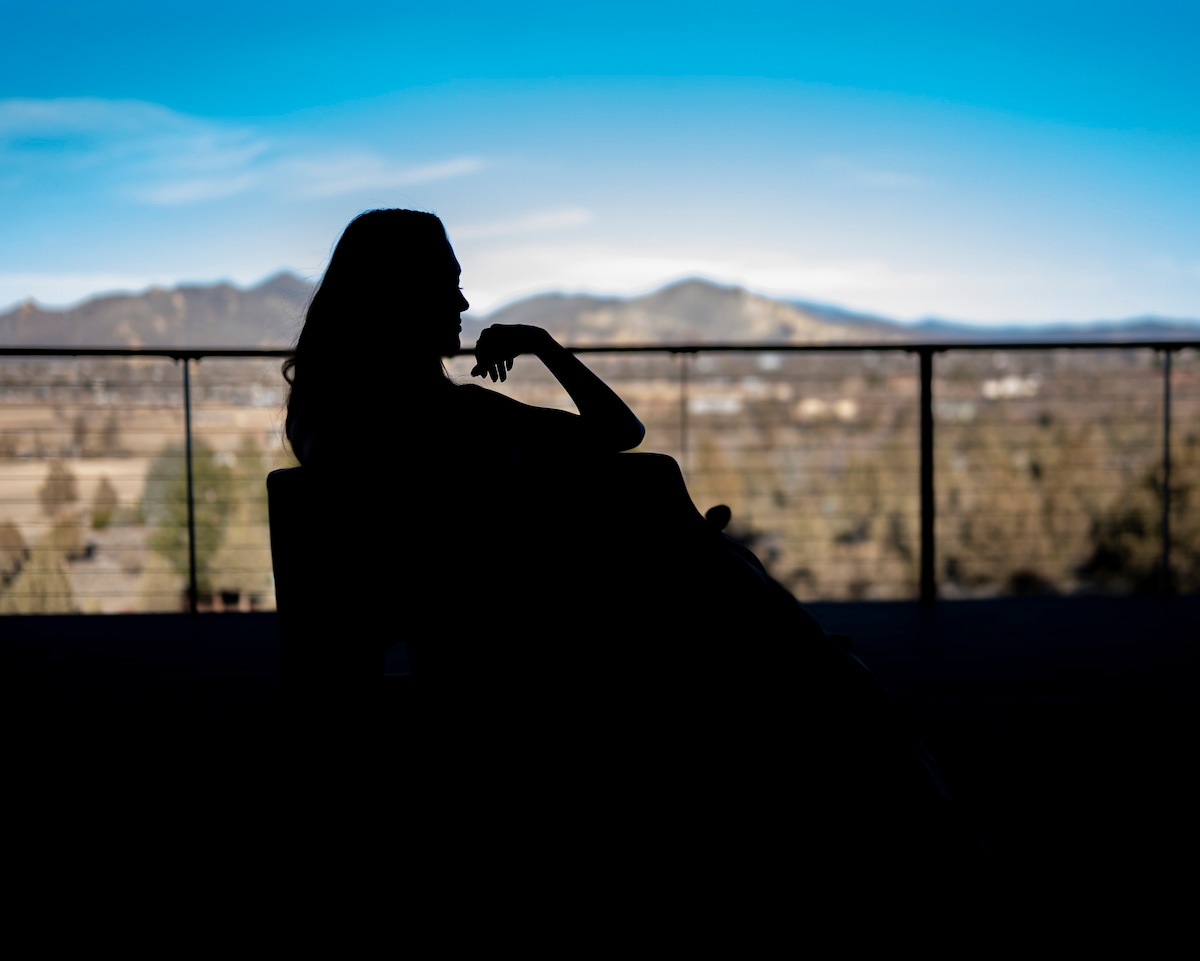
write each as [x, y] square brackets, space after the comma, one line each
[463, 303]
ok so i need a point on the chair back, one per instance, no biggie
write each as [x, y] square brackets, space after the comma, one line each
[331, 631]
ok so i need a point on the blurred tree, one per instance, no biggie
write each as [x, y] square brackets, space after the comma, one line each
[79, 434]
[104, 504]
[40, 584]
[1127, 539]
[59, 490]
[251, 473]
[65, 537]
[242, 565]
[109, 441]
[164, 507]
[42, 587]
[14, 552]
[713, 478]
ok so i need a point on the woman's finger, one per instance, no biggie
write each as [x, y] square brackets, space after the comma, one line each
[497, 368]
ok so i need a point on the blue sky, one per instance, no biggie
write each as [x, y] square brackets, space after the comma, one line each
[981, 161]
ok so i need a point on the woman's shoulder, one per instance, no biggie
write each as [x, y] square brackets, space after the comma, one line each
[479, 401]
[469, 409]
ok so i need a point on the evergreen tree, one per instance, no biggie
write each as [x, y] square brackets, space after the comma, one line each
[65, 537]
[79, 434]
[41, 587]
[104, 504]
[243, 563]
[164, 507]
[109, 444]
[59, 490]
[1127, 539]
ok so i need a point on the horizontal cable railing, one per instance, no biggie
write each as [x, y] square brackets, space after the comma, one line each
[132, 479]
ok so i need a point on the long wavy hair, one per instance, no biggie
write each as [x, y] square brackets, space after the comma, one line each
[369, 305]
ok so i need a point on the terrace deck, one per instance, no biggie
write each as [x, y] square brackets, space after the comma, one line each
[1065, 726]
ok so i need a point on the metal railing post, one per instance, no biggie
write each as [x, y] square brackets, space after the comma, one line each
[191, 495]
[928, 508]
[684, 363]
[1165, 581]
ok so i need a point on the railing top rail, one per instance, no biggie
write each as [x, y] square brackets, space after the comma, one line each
[905, 347]
[199, 353]
[173, 353]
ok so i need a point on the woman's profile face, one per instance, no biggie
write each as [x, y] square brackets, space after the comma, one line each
[446, 302]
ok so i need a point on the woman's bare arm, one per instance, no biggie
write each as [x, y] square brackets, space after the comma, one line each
[603, 416]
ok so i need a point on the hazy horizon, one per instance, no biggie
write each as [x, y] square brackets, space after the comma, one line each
[804, 303]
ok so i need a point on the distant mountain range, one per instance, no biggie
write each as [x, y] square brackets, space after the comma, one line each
[214, 315]
[690, 311]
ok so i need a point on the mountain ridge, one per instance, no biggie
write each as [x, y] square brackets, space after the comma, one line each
[693, 310]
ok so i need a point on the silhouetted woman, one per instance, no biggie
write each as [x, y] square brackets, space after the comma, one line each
[494, 504]
[463, 499]
[577, 598]
[367, 375]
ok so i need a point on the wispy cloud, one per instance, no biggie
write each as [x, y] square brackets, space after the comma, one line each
[140, 151]
[332, 176]
[560, 218]
[151, 155]
[20, 117]
[173, 193]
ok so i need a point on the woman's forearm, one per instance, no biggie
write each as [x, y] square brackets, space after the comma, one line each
[598, 404]
[606, 418]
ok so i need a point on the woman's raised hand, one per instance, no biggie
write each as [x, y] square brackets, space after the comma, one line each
[499, 344]
[604, 422]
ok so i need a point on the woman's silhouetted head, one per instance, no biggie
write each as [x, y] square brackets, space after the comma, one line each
[391, 291]
[394, 276]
